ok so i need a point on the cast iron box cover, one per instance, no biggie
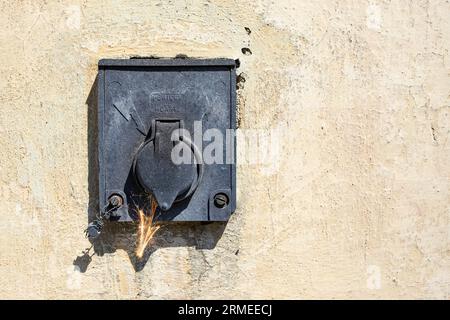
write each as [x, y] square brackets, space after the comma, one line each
[141, 102]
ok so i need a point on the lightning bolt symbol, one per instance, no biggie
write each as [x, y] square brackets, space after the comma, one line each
[128, 111]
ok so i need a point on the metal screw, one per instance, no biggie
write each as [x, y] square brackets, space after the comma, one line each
[220, 200]
[115, 200]
[94, 229]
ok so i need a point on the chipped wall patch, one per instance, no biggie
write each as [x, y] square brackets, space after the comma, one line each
[373, 20]
[373, 277]
[73, 20]
[73, 281]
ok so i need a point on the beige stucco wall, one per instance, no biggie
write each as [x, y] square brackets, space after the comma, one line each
[356, 207]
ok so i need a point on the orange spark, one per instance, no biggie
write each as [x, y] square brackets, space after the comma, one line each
[147, 228]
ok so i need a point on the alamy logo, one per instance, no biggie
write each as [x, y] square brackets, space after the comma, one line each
[256, 147]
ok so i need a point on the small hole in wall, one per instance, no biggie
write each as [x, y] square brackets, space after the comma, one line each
[246, 51]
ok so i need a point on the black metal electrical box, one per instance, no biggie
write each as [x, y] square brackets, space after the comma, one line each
[166, 132]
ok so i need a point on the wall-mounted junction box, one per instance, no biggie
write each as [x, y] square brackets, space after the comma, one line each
[141, 102]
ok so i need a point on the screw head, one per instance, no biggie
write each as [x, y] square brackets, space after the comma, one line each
[93, 230]
[221, 200]
[115, 200]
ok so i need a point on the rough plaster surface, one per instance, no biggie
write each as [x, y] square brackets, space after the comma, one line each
[356, 207]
